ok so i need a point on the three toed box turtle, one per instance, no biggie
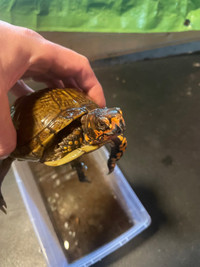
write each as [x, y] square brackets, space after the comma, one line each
[57, 126]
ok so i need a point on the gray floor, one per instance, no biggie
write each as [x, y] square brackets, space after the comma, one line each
[18, 243]
[160, 100]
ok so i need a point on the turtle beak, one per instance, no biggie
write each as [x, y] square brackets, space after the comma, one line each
[122, 125]
[119, 129]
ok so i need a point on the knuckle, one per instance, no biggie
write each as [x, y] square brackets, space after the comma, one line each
[85, 62]
[30, 33]
[42, 57]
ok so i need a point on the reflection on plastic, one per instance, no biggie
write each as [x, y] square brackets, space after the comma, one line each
[85, 215]
[138, 218]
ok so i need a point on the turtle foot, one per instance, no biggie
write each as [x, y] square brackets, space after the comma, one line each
[111, 165]
[80, 169]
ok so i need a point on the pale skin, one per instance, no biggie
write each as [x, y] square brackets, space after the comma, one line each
[26, 54]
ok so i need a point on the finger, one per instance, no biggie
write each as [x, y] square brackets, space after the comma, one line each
[20, 89]
[55, 84]
[50, 81]
[67, 63]
[70, 83]
[96, 93]
[7, 130]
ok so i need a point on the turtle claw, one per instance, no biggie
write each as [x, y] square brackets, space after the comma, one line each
[3, 205]
[82, 178]
[4, 168]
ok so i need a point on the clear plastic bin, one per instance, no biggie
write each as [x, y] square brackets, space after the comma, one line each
[45, 231]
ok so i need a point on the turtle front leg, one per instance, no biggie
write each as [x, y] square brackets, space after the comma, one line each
[119, 144]
[4, 168]
[69, 143]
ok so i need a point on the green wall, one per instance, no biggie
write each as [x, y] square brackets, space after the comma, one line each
[139, 16]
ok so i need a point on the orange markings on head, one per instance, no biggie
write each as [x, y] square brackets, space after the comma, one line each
[118, 120]
[121, 137]
[98, 133]
[115, 120]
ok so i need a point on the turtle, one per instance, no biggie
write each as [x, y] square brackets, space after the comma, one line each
[56, 126]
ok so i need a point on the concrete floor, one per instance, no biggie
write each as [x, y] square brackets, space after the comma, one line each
[18, 243]
[160, 100]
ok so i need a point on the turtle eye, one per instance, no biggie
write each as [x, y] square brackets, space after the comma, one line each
[103, 124]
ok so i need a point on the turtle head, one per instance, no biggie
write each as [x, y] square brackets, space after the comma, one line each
[102, 124]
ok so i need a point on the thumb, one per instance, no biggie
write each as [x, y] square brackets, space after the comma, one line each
[7, 130]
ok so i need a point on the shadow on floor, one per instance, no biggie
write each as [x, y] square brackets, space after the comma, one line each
[149, 199]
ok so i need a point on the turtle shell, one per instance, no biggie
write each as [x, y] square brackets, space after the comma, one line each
[40, 116]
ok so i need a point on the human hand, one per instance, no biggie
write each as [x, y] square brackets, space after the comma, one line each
[26, 54]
